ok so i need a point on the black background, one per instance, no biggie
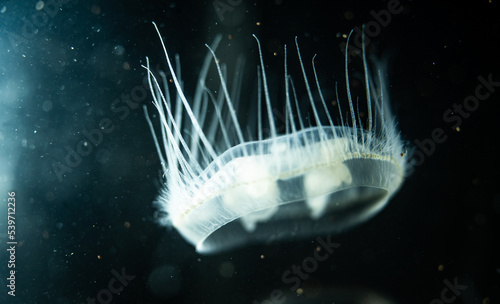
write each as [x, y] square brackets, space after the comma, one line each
[62, 77]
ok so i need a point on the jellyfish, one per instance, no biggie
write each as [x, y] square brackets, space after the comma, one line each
[226, 187]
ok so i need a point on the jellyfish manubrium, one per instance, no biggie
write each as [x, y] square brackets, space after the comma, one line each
[224, 188]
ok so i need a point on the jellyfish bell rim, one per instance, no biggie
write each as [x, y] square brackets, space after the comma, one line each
[208, 246]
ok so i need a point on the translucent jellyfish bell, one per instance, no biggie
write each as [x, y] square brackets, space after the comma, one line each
[223, 190]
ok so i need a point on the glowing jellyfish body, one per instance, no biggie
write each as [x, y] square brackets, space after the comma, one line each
[224, 190]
